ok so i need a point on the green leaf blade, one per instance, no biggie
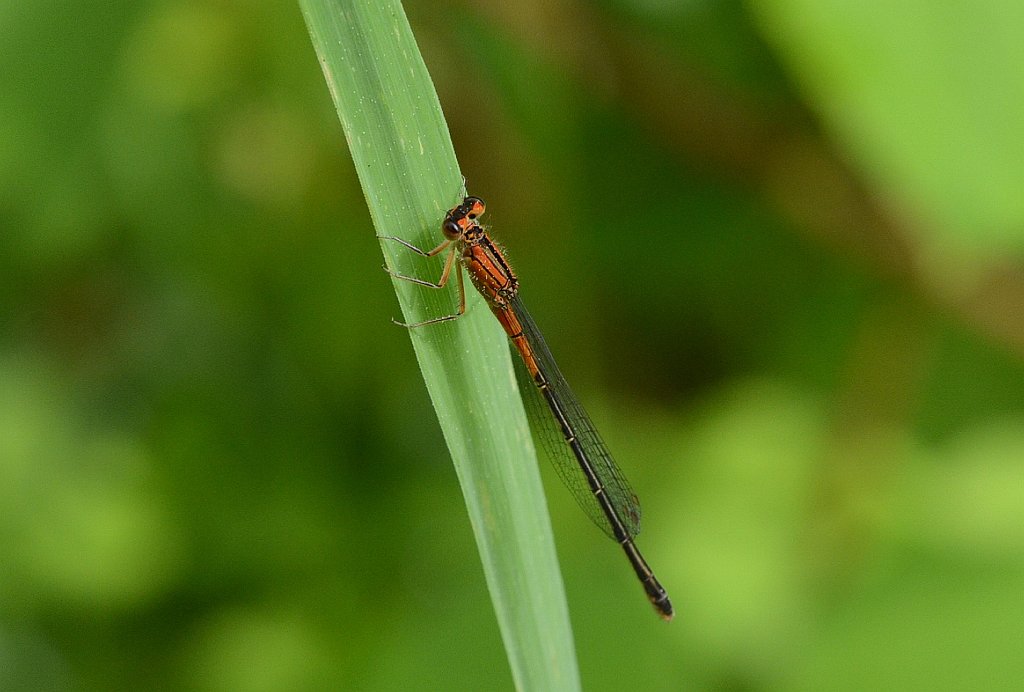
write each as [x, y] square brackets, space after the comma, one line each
[406, 164]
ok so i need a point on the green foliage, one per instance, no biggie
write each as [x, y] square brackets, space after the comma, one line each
[775, 248]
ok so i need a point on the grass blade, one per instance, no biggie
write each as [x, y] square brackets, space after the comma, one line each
[407, 167]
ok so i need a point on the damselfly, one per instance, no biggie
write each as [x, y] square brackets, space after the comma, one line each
[576, 449]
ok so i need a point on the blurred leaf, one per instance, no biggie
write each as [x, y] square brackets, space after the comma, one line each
[968, 500]
[927, 98]
[84, 524]
[919, 626]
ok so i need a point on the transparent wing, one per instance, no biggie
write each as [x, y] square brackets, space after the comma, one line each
[548, 431]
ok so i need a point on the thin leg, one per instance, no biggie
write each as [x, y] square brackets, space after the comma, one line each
[445, 273]
[446, 318]
[425, 253]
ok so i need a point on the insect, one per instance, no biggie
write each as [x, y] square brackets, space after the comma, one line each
[573, 444]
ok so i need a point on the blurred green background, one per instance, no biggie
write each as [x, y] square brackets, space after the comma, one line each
[777, 246]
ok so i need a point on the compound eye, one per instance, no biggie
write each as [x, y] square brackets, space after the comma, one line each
[451, 229]
[471, 207]
[474, 206]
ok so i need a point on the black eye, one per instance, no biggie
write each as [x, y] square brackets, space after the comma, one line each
[451, 229]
